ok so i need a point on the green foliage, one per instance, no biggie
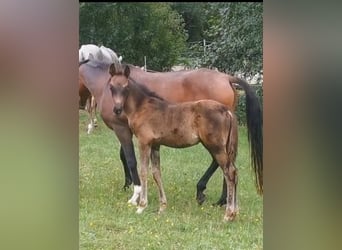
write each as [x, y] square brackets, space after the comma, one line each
[194, 18]
[234, 38]
[171, 33]
[135, 30]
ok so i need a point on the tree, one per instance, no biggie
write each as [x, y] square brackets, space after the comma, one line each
[237, 37]
[135, 30]
[194, 18]
[234, 37]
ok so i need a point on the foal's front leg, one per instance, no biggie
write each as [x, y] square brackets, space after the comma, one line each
[155, 160]
[145, 152]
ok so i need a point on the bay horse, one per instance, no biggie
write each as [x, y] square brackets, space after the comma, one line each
[156, 122]
[176, 87]
[87, 100]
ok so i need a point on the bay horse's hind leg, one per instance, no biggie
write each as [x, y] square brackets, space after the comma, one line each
[93, 111]
[91, 108]
[201, 186]
[88, 109]
[128, 177]
[223, 199]
[155, 160]
[202, 183]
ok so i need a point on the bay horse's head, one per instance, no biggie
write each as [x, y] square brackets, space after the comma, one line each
[119, 86]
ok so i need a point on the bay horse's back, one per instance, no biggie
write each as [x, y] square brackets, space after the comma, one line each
[209, 84]
[189, 85]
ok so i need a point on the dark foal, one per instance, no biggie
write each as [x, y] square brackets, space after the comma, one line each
[156, 122]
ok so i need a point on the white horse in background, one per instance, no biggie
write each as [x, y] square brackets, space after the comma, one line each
[93, 53]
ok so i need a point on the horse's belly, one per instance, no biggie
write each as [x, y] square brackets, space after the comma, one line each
[179, 140]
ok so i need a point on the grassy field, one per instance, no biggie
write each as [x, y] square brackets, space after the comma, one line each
[106, 221]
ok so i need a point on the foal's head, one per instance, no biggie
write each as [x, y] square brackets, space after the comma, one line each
[119, 86]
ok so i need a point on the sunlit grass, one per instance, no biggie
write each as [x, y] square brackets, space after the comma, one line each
[106, 221]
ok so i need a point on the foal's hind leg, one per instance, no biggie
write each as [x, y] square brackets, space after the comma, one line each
[230, 174]
[155, 160]
[231, 178]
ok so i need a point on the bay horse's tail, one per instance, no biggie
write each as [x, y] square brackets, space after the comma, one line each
[254, 126]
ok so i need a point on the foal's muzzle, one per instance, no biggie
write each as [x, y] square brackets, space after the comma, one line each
[117, 110]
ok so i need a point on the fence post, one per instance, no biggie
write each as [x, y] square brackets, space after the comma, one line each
[204, 50]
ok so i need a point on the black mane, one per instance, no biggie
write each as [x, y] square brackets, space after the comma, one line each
[83, 62]
[145, 90]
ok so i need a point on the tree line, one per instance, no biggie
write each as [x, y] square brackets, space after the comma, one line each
[227, 36]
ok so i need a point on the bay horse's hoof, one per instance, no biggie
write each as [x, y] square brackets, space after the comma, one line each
[128, 183]
[200, 198]
[221, 202]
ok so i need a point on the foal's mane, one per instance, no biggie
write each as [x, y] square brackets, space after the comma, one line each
[145, 90]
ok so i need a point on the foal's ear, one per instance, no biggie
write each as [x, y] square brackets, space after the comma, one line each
[126, 71]
[112, 69]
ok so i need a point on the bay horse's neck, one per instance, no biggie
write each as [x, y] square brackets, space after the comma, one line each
[145, 78]
[95, 79]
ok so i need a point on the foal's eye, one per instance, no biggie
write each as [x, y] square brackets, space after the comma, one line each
[112, 89]
[125, 90]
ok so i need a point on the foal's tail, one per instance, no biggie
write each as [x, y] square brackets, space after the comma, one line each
[255, 134]
[232, 142]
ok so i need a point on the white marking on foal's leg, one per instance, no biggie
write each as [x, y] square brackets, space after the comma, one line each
[135, 196]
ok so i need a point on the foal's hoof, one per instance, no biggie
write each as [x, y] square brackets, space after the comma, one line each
[200, 198]
[162, 208]
[140, 210]
[230, 217]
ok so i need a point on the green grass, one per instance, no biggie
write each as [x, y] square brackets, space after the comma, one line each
[106, 221]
